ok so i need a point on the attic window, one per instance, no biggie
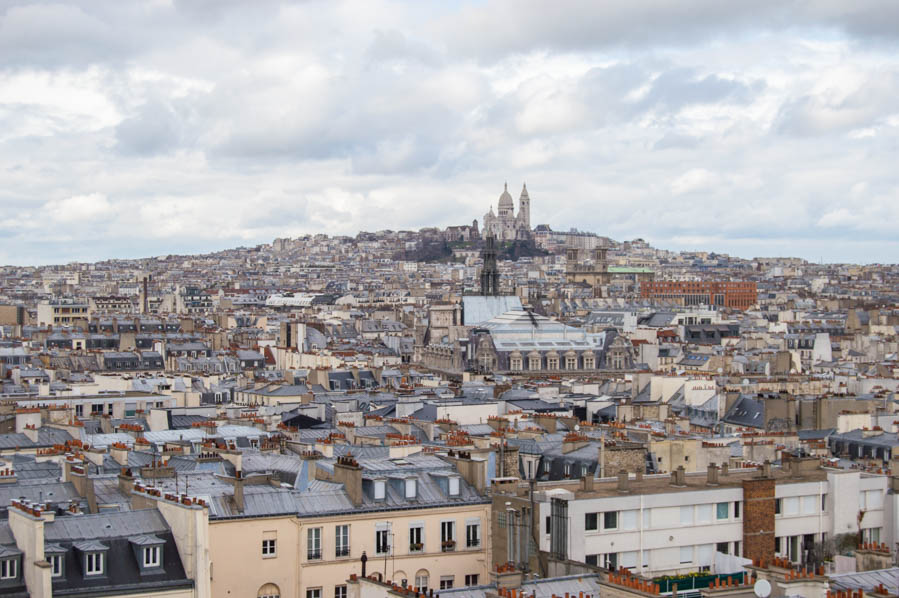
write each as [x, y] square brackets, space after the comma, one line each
[152, 556]
[411, 488]
[93, 563]
[380, 489]
[454, 486]
[9, 568]
[55, 565]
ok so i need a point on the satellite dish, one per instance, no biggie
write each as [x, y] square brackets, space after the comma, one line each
[762, 588]
[577, 427]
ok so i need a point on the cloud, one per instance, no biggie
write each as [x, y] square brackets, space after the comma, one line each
[205, 125]
[79, 209]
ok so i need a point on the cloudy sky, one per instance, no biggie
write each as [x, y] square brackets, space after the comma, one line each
[756, 128]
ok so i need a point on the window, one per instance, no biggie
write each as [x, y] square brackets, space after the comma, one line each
[340, 592]
[421, 582]
[823, 503]
[686, 554]
[382, 541]
[472, 536]
[610, 520]
[791, 505]
[737, 510]
[151, 556]
[93, 563]
[590, 521]
[703, 513]
[314, 593]
[609, 560]
[592, 559]
[416, 541]
[411, 488]
[722, 511]
[448, 536]
[721, 547]
[454, 486]
[55, 565]
[268, 548]
[548, 526]
[446, 582]
[314, 543]
[686, 515]
[9, 568]
[380, 489]
[471, 579]
[777, 506]
[342, 541]
[628, 519]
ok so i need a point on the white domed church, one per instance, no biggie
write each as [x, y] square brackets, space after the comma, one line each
[505, 225]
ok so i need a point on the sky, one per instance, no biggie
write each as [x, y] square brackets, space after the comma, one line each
[763, 128]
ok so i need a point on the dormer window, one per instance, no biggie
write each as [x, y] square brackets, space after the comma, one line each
[148, 552]
[55, 561]
[151, 556]
[411, 487]
[93, 563]
[9, 568]
[453, 486]
[380, 489]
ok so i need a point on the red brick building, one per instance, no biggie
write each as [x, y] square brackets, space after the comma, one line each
[735, 294]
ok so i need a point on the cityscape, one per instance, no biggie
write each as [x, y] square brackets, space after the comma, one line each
[243, 354]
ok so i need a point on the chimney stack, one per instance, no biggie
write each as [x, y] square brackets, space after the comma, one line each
[623, 481]
[348, 472]
[712, 476]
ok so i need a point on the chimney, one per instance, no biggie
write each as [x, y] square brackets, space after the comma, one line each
[724, 469]
[623, 481]
[119, 453]
[239, 482]
[348, 472]
[678, 476]
[126, 481]
[766, 469]
[473, 471]
[712, 476]
[587, 483]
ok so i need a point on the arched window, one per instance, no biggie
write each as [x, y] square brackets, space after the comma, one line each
[421, 580]
[269, 590]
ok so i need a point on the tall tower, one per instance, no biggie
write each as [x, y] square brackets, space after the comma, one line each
[524, 209]
[489, 272]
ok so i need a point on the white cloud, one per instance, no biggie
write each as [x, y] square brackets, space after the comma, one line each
[231, 123]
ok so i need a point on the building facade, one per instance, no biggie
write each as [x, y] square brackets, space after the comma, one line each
[734, 294]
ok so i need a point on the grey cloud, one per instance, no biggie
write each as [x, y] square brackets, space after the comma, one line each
[155, 129]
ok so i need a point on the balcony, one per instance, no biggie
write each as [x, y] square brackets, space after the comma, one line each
[342, 551]
[314, 555]
[416, 547]
[448, 546]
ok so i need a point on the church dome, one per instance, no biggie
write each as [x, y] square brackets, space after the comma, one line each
[505, 200]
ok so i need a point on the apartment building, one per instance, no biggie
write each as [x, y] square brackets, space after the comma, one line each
[658, 525]
[63, 312]
[735, 294]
